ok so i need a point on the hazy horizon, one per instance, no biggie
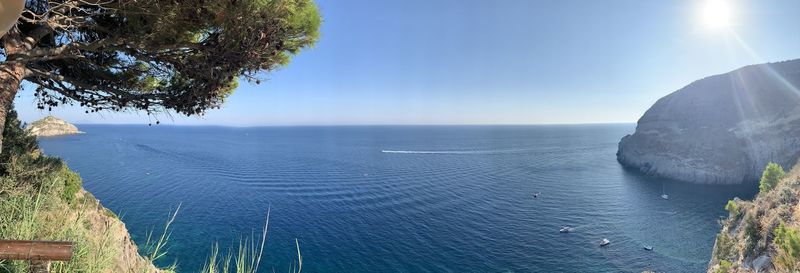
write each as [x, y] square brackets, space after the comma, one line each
[360, 125]
[482, 62]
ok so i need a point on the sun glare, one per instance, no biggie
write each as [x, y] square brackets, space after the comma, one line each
[716, 14]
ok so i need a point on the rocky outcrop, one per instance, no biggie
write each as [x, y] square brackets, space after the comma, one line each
[51, 126]
[103, 223]
[722, 129]
[747, 241]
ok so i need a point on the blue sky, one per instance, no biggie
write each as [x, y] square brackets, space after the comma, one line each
[494, 62]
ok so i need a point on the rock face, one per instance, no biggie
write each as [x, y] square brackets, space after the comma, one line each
[51, 126]
[722, 129]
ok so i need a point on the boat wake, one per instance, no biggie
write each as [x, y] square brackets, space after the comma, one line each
[431, 152]
[454, 152]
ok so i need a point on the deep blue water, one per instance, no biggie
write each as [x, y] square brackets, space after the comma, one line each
[401, 199]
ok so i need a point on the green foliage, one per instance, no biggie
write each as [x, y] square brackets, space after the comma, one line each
[733, 208]
[771, 176]
[724, 247]
[16, 141]
[37, 211]
[724, 266]
[245, 260]
[32, 207]
[72, 183]
[787, 242]
[155, 249]
[21, 162]
[182, 55]
[248, 258]
[751, 232]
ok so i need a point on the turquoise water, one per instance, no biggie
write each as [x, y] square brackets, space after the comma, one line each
[401, 198]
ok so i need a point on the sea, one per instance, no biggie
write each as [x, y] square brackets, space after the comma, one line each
[399, 198]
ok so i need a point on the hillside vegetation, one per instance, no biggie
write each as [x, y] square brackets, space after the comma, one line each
[42, 199]
[762, 235]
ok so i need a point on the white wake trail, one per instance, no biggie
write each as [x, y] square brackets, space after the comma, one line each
[455, 152]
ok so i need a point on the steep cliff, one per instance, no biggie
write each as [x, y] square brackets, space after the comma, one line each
[722, 129]
[51, 126]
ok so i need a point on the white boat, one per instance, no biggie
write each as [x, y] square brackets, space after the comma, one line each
[665, 196]
[604, 242]
[648, 248]
[565, 230]
[664, 193]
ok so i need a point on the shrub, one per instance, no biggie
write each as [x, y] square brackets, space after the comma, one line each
[788, 196]
[772, 174]
[750, 232]
[72, 183]
[724, 247]
[733, 208]
[787, 242]
[20, 161]
[16, 140]
[724, 266]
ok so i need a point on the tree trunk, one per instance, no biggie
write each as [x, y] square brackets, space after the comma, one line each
[11, 75]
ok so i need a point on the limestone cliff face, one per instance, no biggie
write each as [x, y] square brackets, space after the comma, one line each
[51, 126]
[722, 129]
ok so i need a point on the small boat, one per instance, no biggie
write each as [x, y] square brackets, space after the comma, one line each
[604, 242]
[664, 193]
[535, 195]
[666, 197]
[648, 248]
[565, 230]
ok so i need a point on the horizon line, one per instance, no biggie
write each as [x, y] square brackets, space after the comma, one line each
[365, 125]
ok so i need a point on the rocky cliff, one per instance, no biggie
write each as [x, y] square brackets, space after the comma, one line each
[753, 237]
[120, 250]
[51, 126]
[722, 129]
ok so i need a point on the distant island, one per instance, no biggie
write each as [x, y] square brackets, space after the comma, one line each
[722, 129]
[51, 126]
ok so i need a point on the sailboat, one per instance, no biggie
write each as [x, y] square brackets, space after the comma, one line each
[663, 193]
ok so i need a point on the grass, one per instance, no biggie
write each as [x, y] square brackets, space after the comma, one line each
[156, 249]
[247, 258]
[40, 212]
[41, 199]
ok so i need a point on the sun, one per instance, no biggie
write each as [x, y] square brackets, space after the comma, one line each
[716, 14]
